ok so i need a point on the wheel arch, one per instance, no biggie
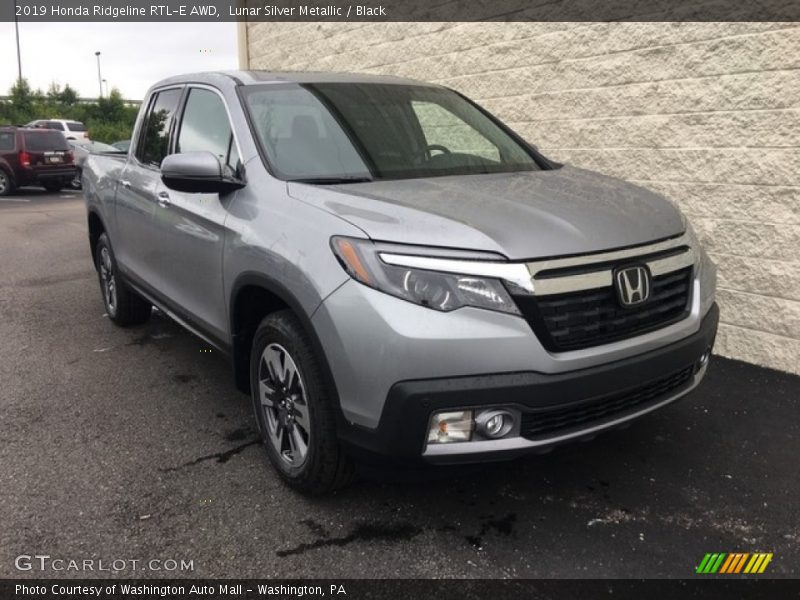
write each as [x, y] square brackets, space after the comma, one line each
[270, 296]
[8, 170]
[96, 228]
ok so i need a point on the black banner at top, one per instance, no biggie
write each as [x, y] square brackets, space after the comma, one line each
[397, 10]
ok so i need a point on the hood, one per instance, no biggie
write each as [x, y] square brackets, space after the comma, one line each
[520, 215]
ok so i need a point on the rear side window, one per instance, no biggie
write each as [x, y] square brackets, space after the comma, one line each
[154, 143]
[205, 126]
[75, 126]
[6, 140]
[44, 141]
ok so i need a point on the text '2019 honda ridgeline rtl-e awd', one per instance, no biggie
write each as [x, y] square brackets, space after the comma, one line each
[393, 270]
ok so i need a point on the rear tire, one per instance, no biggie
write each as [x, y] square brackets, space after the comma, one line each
[75, 183]
[294, 409]
[123, 306]
[6, 184]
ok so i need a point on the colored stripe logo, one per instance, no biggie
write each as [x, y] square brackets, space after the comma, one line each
[735, 562]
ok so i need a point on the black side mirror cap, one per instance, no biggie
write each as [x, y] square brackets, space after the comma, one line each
[197, 173]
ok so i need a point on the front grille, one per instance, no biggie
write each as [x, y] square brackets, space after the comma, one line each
[576, 320]
[561, 420]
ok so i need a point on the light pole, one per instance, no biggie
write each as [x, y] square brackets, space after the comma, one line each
[105, 85]
[99, 77]
[19, 57]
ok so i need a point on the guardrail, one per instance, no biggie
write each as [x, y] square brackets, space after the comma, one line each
[85, 101]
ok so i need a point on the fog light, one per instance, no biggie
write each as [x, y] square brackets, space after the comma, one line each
[494, 424]
[704, 358]
[448, 427]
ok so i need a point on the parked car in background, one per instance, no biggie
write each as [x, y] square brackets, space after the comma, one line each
[392, 270]
[83, 148]
[72, 130]
[123, 145]
[34, 157]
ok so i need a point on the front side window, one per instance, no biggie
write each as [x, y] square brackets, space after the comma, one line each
[378, 131]
[154, 143]
[55, 125]
[205, 127]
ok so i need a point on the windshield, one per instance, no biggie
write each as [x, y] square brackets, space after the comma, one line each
[362, 131]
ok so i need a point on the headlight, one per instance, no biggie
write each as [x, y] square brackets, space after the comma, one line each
[433, 289]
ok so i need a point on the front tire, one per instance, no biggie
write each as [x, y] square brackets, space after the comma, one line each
[293, 408]
[123, 306]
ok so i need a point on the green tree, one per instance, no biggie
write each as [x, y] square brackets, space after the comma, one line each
[22, 96]
[53, 92]
[69, 96]
[112, 107]
[108, 121]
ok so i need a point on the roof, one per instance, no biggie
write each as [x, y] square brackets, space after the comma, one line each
[57, 120]
[255, 77]
[26, 128]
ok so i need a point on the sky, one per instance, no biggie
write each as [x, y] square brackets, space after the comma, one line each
[133, 55]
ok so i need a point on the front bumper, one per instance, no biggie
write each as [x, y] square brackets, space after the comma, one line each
[610, 394]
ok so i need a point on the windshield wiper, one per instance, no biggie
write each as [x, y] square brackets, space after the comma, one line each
[332, 180]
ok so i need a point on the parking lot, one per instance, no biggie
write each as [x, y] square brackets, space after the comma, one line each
[134, 444]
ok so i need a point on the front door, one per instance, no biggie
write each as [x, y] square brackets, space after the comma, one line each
[191, 226]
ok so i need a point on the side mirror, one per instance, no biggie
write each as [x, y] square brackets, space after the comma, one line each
[197, 172]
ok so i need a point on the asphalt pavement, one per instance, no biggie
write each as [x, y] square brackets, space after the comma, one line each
[134, 445]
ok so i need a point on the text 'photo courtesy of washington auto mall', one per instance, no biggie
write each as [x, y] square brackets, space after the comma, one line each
[401, 299]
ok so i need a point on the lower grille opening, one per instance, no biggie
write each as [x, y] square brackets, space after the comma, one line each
[559, 420]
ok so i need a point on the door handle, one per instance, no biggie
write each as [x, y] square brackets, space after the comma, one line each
[163, 199]
[125, 183]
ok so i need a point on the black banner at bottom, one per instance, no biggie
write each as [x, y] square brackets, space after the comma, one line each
[388, 589]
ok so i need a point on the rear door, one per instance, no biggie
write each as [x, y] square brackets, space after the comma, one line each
[192, 225]
[137, 245]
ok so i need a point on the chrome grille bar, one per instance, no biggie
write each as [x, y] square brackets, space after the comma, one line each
[524, 275]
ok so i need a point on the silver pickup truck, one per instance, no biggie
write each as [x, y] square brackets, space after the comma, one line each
[393, 271]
